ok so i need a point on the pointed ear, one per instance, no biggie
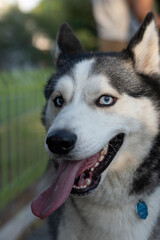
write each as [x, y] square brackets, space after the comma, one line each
[144, 47]
[67, 44]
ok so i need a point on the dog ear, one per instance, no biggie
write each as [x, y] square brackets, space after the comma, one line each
[144, 47]
[67, 44]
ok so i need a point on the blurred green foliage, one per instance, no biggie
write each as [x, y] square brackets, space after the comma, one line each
[16, 41]
[17, 30]
[22, 154]
[50, 14]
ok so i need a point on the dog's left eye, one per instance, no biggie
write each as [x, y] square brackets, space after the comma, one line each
[58, 101]
[106, 100]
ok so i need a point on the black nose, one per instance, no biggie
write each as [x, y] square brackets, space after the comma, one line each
[61, 141]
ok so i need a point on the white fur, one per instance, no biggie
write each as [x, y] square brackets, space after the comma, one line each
[116, 222]
[57, 51]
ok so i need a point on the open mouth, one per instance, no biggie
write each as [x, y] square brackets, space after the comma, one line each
[90, 174]
[77, 177]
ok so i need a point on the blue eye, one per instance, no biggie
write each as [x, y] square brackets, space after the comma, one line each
[58, 101]
[106, 100]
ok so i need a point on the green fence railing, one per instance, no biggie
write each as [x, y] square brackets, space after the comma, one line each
[22, 155]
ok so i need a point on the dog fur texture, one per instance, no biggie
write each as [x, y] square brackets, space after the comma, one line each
[132, 78]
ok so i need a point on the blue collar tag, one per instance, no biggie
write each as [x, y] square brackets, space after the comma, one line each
[142, 209]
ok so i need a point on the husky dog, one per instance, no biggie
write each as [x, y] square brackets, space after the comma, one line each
[102, 117]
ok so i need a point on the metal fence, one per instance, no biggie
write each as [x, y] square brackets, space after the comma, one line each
[22, 155]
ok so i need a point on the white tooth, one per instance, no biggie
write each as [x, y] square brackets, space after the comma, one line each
[82, 187]
[88, 181]
[92, 169]
[101, 158]
[96, 164]
[105, 149]
[74, 186]
[102, 152]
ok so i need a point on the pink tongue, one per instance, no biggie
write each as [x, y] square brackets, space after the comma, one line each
[52, 198]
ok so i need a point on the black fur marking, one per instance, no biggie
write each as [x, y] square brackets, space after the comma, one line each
[54, 221]
[152, 88]
[49, 87]
[152, 82]
[68, 44]
[128, 55]
[43, 115]
[147, 176]
[156, 231]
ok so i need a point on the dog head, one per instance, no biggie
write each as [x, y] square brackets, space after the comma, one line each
[100, 115]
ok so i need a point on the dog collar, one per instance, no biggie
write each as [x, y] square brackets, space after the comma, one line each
[142, 209]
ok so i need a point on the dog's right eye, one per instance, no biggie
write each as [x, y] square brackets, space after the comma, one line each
[58, 101]
[106, 101]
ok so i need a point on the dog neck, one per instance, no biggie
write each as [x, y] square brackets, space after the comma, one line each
[118, 222]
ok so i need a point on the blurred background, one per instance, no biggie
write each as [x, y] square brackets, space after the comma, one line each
[28, 31]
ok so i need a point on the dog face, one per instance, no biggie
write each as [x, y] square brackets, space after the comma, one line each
[100, 108]
[87, 104]
[101, 96]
